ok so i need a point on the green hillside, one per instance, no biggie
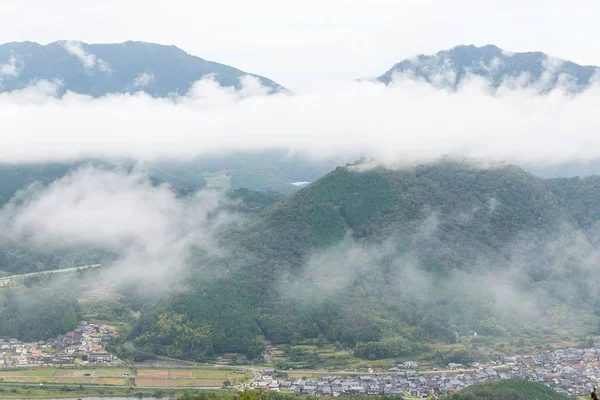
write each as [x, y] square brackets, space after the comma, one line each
[512, 389]
[384, 263]
[387, 262]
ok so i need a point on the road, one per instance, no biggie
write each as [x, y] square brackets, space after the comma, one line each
[49, 272]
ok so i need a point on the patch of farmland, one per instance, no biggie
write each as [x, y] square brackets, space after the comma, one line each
[12, 373]
[210, 373]
[111, 381]
[47, 372]
[208, 382]
[158, 373]
[110, 372]
[180, 373]
[33, 379]
[155, 382]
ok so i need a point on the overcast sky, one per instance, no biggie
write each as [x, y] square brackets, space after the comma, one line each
[302, 44]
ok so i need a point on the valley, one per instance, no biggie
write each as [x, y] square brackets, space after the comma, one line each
[174, 227]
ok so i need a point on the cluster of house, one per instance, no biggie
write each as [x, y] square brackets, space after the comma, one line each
[84, 345]
[572, 372]
[394, 383]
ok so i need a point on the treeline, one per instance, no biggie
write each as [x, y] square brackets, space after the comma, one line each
[387, 348]
[511, 389]
[43, 310]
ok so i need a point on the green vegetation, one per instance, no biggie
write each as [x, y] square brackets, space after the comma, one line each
[387, 348]
[45, 309]
[512, 389]
[381, 264]
[447, 229]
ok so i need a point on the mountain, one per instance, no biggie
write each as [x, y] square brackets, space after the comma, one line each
[98, 69]
[385, 262]
[451, 66]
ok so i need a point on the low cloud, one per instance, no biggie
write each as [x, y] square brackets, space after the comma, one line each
[89, 61]
[10, 69]
[405, 122]
[149, 229]
[143, 80]
[500, 287]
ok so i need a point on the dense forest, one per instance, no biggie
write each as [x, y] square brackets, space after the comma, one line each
[43, 308]
[384, 263]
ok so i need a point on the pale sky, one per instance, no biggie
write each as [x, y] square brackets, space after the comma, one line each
[304, 44]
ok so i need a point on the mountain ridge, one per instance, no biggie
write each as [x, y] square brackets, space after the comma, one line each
[99, 69]
[494, 63]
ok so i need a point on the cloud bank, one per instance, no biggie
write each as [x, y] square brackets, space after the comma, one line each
[149, 229]
[407, 121]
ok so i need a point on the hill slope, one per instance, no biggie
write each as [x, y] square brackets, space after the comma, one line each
[512, 389]
[493, 63]
[98, 69]
[385, 261]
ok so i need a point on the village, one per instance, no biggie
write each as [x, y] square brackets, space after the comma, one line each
[571, 372]
[82, 346]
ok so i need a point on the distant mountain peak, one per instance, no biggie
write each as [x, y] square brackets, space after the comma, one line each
[98, 69]
[450, 67]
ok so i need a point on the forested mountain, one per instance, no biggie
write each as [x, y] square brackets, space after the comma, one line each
[98, 69]
[46, 305]
[385, 261]
[382, 262]
[272, 172]
[449, 67]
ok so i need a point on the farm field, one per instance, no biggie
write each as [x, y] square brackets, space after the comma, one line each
[186, 377]
[97, 376]
[147, 377]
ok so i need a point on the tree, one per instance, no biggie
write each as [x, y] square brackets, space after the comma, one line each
[69, 320]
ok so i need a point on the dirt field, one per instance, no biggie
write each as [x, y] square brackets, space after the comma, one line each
[174, 377]
[155, 382]
[189, 373]
[155, 373]
[181, 382]
[180, 373]
[91, 380]
[96, 373]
